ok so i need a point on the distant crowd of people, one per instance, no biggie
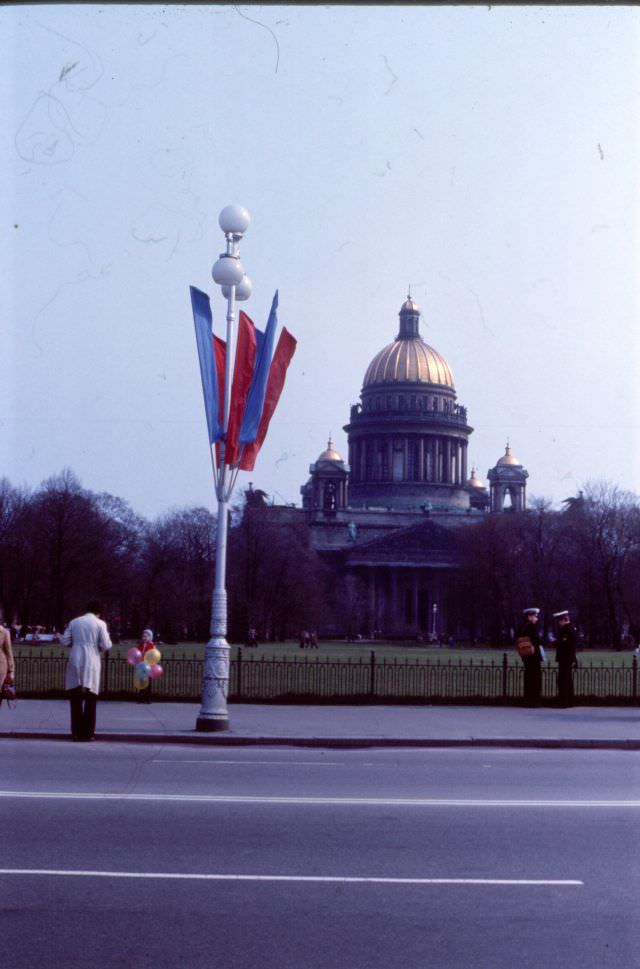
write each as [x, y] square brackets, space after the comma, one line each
[34, 634]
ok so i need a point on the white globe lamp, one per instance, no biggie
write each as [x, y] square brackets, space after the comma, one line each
[243, 289]
[227, 271]
[234, 220]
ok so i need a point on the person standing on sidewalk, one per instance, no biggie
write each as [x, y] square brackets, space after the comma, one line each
[146, 643]
[532, 663]
[87, 635]
[7, 667]
[566, 657]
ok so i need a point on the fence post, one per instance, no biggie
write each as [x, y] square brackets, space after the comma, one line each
[634, 678]
[105, 686]
[505, 664]
[372, 674]
[239, 674]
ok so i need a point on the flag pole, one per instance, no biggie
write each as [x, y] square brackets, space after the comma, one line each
[229, 274]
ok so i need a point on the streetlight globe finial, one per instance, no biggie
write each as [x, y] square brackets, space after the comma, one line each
[234, 219]
[243, 289]
[227, 271]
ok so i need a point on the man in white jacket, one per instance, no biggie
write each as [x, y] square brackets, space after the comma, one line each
[86, 635]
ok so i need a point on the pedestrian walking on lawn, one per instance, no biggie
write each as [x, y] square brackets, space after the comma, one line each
[87, 636]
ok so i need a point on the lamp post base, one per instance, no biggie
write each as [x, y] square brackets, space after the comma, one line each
[214, 715]
[211, 724]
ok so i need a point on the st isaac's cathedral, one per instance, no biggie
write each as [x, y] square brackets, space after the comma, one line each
[391, 513]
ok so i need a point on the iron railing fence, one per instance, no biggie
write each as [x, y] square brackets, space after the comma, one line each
[363, 679]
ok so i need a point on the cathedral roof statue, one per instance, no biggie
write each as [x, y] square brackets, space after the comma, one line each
[408, 359]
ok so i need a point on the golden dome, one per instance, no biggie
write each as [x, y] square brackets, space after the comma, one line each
[408, 359]
[410, 306]
[474, 481]
[508, 459]
[329, 454]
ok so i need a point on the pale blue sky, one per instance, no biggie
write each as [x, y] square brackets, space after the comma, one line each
[488, 156]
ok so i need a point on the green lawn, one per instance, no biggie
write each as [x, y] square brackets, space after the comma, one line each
[349, 651]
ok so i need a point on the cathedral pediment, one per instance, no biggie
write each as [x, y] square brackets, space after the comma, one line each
[426, 543]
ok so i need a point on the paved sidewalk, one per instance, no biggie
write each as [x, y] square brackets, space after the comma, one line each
[338, 726]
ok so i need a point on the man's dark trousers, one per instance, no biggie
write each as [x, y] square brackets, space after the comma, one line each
[565, 684]
[83, 713]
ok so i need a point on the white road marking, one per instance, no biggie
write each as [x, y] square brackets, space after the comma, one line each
[254, 763]
[321, 879]
[317, 801]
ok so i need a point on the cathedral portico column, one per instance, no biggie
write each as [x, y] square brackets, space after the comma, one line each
[393, 588]
[421, 474]
[371, 598]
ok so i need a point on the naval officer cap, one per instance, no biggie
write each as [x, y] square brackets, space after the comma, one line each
[559, 615]
[534, 610]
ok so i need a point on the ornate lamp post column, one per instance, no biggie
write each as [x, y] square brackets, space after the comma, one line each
[434, 610]
[228, 273]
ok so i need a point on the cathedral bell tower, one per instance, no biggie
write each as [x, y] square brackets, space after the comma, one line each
[325, 492]
[508, 484]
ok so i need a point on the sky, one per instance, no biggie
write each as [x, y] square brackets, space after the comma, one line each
[485, 156]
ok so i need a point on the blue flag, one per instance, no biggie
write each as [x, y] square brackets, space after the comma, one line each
[257, 390]
[204, 339]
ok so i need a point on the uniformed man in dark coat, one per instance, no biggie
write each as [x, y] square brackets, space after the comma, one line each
[533, 663]
[566, 658]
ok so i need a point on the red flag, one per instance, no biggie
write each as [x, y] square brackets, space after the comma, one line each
[220, 356]
[242, 374]
[281, 360]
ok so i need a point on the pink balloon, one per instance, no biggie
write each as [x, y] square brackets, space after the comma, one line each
[155, 671]
[134, 656]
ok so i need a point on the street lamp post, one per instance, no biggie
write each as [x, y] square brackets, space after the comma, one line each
[434, 610]
[228, 273]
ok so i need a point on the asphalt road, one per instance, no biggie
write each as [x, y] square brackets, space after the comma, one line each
[190, 858]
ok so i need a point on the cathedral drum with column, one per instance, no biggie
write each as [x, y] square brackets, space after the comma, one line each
[408, 436]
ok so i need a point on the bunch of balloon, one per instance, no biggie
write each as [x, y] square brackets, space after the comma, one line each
[145, 667]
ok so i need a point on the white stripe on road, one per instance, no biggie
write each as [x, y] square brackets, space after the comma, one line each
[317, 801]
[255, 763]
[321, 879]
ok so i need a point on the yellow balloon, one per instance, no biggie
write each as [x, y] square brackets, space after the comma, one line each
[141, 685]
[152, 656]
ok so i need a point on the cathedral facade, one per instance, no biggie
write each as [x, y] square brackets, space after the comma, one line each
[390, 515]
